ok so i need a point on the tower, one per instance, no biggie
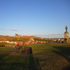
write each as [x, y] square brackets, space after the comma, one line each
[66, 35]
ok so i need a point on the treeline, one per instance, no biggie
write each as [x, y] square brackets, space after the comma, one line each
[23, 39]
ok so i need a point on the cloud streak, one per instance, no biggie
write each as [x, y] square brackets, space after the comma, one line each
[54, 35]
[50, 34]
[11, 29]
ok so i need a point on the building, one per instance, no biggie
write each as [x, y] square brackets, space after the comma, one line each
[66, 35]
[16, 35]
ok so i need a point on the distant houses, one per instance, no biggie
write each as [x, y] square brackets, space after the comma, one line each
[25, 40]
[26, 36]
[10, 42]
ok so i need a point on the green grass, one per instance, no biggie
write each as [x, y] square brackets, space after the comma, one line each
[6, 48]
[43, 57]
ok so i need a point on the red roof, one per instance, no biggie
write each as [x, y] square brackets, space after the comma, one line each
[26, 36]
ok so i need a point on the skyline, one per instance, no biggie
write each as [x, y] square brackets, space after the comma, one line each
[35, 17]
[42, 35]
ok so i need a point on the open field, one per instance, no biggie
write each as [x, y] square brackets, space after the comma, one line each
[43, 57]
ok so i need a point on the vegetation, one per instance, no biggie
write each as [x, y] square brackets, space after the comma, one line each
[42, 39]
[23, 39]
[43, 57]
[3, 44]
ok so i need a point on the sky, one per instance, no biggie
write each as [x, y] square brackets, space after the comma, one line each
[42, 18]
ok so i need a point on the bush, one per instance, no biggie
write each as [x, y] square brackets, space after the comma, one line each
[2, 45]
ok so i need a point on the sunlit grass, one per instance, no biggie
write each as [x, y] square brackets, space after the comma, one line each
[44, 57]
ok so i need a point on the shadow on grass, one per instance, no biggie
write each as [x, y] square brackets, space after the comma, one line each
[20, 62]
[31, 63]
[34, 63]
[66, 68]
[64, 52]
[3, 55]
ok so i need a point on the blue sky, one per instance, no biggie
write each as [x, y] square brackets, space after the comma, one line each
[44, 18]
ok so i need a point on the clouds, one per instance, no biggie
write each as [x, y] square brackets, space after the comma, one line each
[54, 35]
[11, 29]
[50, 34]
[45, 35]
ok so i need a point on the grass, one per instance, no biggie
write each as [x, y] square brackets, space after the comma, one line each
[43, 57]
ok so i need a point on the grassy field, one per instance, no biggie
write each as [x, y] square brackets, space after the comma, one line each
[43, 57]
